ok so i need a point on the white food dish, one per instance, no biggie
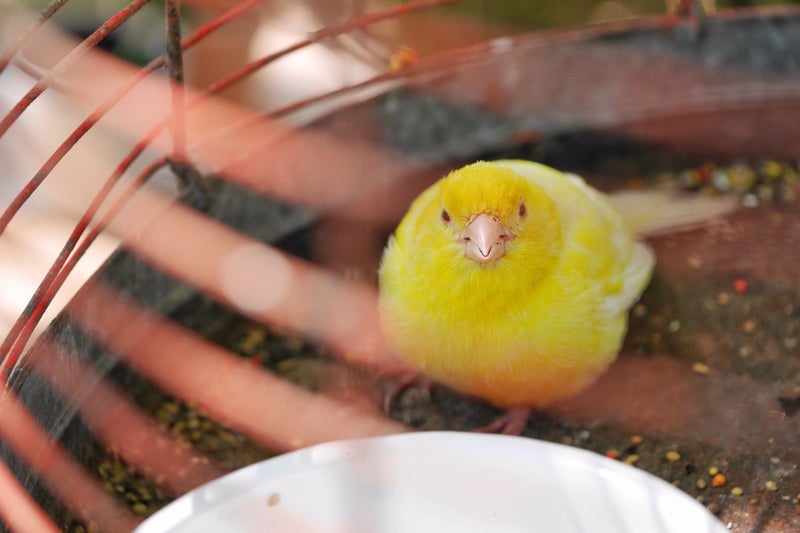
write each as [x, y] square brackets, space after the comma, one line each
[436, 482]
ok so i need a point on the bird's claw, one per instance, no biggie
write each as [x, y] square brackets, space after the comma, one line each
[512, 422]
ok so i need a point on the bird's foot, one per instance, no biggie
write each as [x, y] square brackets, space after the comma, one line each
[403, 382]
[512, 422]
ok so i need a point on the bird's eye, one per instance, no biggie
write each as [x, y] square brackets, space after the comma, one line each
[522, 210]
[445, 215]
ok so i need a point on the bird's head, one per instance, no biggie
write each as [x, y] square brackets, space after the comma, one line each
[492, 211]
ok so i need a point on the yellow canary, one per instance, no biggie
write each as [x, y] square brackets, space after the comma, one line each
[512, 281]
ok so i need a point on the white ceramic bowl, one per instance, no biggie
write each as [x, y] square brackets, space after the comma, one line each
[436, 482]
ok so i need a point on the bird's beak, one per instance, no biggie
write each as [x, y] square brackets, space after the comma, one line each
[485, 239]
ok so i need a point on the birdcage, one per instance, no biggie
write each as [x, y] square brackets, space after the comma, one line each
[195, 203]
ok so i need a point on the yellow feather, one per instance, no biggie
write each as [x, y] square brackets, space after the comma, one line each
[539, 323]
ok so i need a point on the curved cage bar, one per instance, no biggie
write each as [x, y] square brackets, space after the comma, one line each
[208, 299]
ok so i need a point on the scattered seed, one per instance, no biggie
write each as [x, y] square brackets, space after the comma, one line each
[765, 193]
[749, 326]
[672, 456]
[140, 509]
[723, 298]
[742, 176]
[718, 480]
[720, 181]
[750, 200]
[737, 491]
[274, 499]
[740, 285]
[700, 368]
[631, 459]
[674, 326]
[770, 485]
[694, 262]
[713, 508]
[772, 169]
[637, 439]
[639, 310]
[745, 351]
[701, 483]
[612, 453]
[775, 460]
[690, 178]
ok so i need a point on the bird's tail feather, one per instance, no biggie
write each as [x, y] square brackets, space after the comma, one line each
[659, 212]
